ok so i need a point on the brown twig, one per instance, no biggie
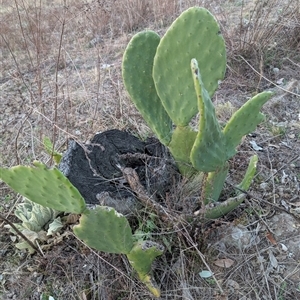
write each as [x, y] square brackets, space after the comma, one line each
[270, 81]
[56, 87]
[262, 200]
[133, 180]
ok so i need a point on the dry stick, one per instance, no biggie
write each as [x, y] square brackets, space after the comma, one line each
[133, 179]
[262, 200]
[11, 209]
[298, 65]
[194, 245]
[101, 258]
[260, 217]
[23, 32]
[56, 87]
[18, 67]
[17, 136]
[291, 160]
[21, 234]
[270, 81]
[273, 181]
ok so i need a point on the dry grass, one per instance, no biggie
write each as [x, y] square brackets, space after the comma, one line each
[61, 63]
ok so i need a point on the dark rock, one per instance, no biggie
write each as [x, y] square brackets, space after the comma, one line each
[94, 168]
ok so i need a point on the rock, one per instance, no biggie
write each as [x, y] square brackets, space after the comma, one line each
[94, 168]
[237, 236]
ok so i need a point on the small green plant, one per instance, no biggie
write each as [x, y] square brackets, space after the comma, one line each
[170, 80]
[33, 219]
[49, 147]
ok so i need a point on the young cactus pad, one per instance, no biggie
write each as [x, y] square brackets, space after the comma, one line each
[104, 229]
[250, 173]
[244, 121]
[194, 34]
[141, 258]
[137, 74]
[214, 182]
[207, 154]
[47, 187]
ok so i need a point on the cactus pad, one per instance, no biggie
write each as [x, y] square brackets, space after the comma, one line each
[137, 74]
[213, 185]
[47, 187]
[251, 170]
[244, 121]
[208, 152]
[104, 229]
[141, 258]
[194, 34]
[181, 144]
[223, 208]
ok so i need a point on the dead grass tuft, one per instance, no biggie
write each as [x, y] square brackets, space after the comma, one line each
[265, 34]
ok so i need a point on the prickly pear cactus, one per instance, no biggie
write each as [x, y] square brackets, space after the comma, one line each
[104, 229]
[208, 153]
[244, 121]
[194, 34]
[137, 74]
[213, 184]
[162, 67]
[213, 187]
[157, 76]
[48, 145]
[182, 142]
[47, 187]
[223, 208]
[141, 258]
[250, 173]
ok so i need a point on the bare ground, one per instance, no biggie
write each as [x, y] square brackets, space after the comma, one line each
[82, 93]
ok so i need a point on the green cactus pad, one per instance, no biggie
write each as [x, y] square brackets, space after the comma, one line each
[194, 34]
[141, 258]
[223, 208]
[47, 187]
[214, 183]
[137, 74]
[104, 229]
[251, 170]
[208, 152]
[181, 144]
[244, 121]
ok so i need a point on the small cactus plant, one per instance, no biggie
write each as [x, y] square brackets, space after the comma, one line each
[172, 79]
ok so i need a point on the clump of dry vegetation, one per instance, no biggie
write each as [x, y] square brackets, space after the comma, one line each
[61, 78]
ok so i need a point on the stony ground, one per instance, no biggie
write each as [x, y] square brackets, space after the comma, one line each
[253, 252]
